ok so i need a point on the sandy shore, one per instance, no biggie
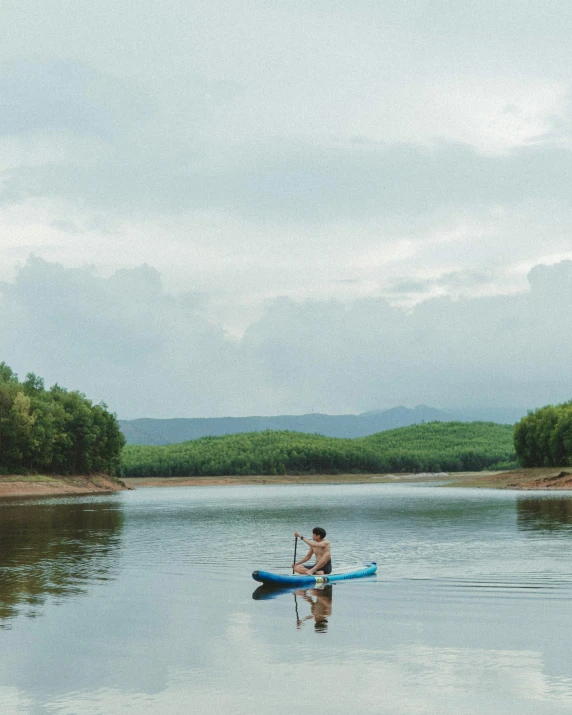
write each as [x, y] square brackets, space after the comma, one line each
[42, 485]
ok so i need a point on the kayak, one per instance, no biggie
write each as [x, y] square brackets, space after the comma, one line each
[306, 580]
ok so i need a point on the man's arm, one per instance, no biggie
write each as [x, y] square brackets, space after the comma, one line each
[306, 558]
[310, 543]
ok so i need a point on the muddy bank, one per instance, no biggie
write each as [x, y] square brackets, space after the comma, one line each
[537, 478]
[285, 479]
[541, 478]
[50, 485]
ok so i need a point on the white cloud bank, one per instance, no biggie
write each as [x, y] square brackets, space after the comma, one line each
[148, 352]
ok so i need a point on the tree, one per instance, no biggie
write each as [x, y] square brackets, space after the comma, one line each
[56, 430]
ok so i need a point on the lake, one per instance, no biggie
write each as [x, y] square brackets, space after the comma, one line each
[143, 602]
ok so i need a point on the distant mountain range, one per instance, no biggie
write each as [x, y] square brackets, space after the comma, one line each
[156, 431]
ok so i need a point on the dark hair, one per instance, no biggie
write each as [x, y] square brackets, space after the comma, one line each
[319, 531]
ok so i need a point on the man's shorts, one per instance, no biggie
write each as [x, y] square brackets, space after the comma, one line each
[326, 568]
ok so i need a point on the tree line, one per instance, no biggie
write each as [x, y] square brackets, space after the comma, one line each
[54, 430]
[544, 437]
[62, 432]
[432, 447]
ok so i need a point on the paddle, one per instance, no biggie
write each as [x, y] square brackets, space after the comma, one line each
[295, 546]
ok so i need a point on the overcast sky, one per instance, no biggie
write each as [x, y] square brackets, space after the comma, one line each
[248, 207]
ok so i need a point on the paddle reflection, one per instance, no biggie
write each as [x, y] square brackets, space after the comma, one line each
[317, 600]
[54, 550]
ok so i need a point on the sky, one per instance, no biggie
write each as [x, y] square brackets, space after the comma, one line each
[249, 207]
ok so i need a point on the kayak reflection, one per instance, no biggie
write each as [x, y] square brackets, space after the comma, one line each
[319, 599]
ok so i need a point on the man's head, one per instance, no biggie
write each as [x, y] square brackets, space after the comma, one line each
[318, 533]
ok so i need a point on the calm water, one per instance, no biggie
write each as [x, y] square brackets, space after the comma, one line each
[143, 602]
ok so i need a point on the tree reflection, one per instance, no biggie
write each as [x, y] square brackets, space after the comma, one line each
[54, 550]
[545, 514]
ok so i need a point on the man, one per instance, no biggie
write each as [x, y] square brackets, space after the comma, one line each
[320, 548]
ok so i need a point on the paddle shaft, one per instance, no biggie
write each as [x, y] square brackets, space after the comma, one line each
[295, 546]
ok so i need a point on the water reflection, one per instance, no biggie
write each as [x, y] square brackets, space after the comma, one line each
[544, 514]
[54, 550]
[319, 600]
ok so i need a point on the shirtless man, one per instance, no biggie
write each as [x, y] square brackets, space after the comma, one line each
[320, 548]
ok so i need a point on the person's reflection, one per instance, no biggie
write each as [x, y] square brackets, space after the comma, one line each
[320, 601]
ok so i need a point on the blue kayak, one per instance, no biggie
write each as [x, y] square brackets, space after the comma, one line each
[278, 579]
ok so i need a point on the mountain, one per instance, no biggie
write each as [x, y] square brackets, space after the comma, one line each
[157, 431]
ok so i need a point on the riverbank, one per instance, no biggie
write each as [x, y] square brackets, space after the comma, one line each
[52, 485]
[526, 479]
[532, 479]
[292, 479]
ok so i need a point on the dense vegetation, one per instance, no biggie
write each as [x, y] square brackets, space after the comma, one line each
[433, 447]
[55, 431]
[544, 437]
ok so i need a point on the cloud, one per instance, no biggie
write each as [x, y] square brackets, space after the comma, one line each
[497, 350]
[66, 96]
[452, 282]
[107, 335]
[148, 352]
[337, 154]
[300, 184]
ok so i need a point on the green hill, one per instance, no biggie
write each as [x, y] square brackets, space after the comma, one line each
[433, 447]
[171, 431]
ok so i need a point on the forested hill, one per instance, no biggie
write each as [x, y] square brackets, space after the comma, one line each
[171, 431]
[434, 447]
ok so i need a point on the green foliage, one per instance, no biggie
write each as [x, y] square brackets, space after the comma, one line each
[432, 447]
[54, 430]
[544, 437]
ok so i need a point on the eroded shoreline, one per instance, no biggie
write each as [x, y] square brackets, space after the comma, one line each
[537, 479]
[524, 479]
[531, 479]
[54, 485]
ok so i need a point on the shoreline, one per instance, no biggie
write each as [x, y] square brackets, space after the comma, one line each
[531, 479]
[280, 479]
[18, 485]
[525, 479]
